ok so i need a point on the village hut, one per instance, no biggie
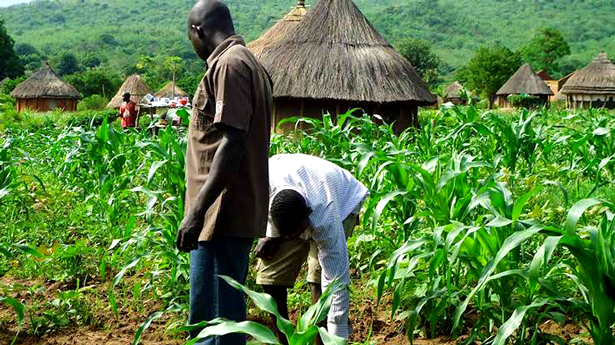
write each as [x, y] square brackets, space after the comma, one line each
[334, 60]
[524, 82]
[592, 86]
[45, 91]
[280, 30]
[454, 94]
[171, 90]
[551, 83]
[133, 85]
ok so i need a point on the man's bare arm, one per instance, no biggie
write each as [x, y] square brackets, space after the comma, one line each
[223, 171]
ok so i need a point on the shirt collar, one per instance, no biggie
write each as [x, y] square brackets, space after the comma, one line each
[223, 47]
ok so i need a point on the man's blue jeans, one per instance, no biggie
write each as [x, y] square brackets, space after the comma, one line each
[211, 297]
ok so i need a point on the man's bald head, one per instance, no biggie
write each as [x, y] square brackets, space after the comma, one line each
[209, 24]
[213, 16]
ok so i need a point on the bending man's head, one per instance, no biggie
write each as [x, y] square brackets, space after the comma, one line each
[126, 97]
[290, 213]
[209, 24]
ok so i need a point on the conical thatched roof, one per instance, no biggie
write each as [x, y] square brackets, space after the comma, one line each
[167, 91]
[335, 53]
[454, 90]
[525, 81]
[133, 85]
[280, 30]
[45, 83]
[598, 78]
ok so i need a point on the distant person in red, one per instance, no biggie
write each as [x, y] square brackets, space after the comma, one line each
[128, 112]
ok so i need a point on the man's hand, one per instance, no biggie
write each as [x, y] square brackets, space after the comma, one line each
[189, 232]
[266, 248]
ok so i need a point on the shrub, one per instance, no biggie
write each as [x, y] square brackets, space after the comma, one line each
[525, 101]
[95, 102]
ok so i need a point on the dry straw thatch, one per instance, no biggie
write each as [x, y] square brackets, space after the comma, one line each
[45, 83]
[133, 85]
[335, 53]
[525, 81]
[280, 30]
[454, 90]
[598, 78]
[171, 90]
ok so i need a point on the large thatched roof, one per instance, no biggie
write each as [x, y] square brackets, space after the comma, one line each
[171, 90]
[133, 85]
[525, 81]
[280, 30]
[45, 83]
[598, 78]
[335, 53]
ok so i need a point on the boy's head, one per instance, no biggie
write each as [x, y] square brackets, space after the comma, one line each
[209, 23]
[290, 213]
[126, 97]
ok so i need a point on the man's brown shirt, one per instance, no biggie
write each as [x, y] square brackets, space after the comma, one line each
[235, 92]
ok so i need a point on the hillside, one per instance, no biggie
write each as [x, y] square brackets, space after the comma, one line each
[119, 31]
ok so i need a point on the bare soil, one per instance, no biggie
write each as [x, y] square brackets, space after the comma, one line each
[370, 322]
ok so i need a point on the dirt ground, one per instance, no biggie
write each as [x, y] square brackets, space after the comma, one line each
[106, 329]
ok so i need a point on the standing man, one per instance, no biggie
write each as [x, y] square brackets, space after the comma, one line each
[226, 168]
[315, 205]
[128, 112]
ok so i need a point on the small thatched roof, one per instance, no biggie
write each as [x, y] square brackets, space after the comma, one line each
[168, 91]
[454, 90]
[335, 53]
[280, 30]
[133, 85]
[598, 78]
[544, 75]
[45, 83]
[525, 81]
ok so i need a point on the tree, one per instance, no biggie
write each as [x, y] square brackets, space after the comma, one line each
[95, 81]
[545, 50]
[489, 69]
[91, 61]
[419, 54]
[68, 64]
[10, 65]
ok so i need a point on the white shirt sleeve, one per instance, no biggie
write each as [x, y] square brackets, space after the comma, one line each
[330, 239]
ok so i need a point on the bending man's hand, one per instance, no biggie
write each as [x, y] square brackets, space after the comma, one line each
[189, 232]
[266, 248]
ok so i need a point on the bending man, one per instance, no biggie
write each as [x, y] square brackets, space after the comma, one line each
[314, 207]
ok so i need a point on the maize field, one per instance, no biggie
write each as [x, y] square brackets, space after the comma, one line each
[482, 227]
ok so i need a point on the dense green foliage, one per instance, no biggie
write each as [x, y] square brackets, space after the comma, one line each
[10, 67]
[419, 54]
[545, 51]
[482, 223]
[120, 32]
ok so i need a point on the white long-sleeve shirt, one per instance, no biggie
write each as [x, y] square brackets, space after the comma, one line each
[332, 194]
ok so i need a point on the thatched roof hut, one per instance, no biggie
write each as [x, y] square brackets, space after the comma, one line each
[171, 90]
[453, 93]
[133, 85]
[45, 91]
[524, 81]
[334, 60]
[280, 30]
[592, 86]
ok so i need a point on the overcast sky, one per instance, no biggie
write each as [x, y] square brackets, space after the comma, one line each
[5, 3]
